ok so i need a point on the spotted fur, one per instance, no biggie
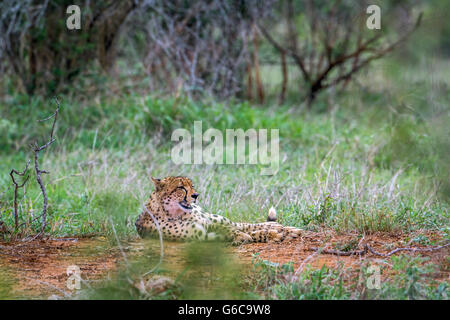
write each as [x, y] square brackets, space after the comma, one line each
[173, 210]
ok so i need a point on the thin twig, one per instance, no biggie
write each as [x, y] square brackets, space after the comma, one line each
[368, 248]
[161, 255]
[339, 252]
[16, 188]
[118, 243]
[39, 172]
[305, 261]
[51, 286]
[405, 249]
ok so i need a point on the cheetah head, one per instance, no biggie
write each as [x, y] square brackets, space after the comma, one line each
[175, 195]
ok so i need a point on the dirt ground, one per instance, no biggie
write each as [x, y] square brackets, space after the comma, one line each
[39, 268]
[300, 251]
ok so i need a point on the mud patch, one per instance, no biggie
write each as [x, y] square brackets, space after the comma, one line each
[38, 269]
[300, 251]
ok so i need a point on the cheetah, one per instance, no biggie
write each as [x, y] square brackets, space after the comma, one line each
[173, 209]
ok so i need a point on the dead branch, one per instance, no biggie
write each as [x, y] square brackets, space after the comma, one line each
[39, 172]
[118, 243]
[16, 188]
[405, 249]
[338, 252]
[31, 59]
[367, 248]
[67, 295]
[249, 69]
[376, 55]
[336, 47]
[259, 85]
[284, 83]
[297, 58]
[203, 43]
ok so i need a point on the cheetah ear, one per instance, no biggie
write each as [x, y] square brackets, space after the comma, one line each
[157, 183]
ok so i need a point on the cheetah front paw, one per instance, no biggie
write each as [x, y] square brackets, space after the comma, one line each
[292, 233]
[242, 238]
[274, 235]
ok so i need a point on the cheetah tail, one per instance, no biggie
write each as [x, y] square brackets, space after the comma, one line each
[272, 216]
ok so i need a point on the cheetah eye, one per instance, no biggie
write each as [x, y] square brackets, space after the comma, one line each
[180, 191]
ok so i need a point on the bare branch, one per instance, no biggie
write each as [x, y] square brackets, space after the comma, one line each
[291, 53]
[201, 45]
[368, 248]
[16, 188]
[335, 46]
[39, 171]
[376, 55]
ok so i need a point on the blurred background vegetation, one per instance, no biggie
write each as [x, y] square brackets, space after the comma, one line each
[213, 48]
[363, 107]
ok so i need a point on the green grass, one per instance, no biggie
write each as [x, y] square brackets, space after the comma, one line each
[199, 271]
[377, 162]
[411, 279]
[371, 157]
[208, 273]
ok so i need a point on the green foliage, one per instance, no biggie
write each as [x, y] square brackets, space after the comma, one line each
[44, 56]
[197, 271]
[345, 170]
[412, 279]
[7, 132]
[278, 281]
[6, 283]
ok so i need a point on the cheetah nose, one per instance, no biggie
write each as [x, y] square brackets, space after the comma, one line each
[195, 196]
